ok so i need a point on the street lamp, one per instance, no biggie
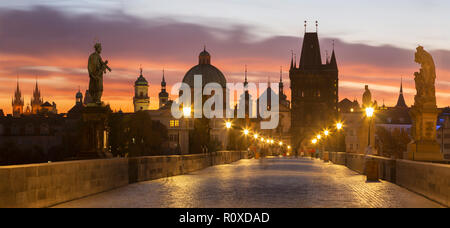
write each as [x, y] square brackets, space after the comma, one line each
[339, 127]
[369, 113]
[187, 112]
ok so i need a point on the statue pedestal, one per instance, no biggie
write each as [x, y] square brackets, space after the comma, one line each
[95, 132]
[424, 151]
[424, 147]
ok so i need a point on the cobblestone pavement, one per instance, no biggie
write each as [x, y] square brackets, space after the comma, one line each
[274, 182]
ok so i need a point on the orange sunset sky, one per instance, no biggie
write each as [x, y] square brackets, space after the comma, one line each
[52, 45]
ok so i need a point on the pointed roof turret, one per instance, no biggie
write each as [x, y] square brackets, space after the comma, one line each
[292, 59]
[163, 82]
[310, 56]
[295, 61]
[333, 62]
[245, 77]
[401, 99]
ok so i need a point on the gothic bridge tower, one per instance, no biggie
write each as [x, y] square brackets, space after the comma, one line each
[314, 91]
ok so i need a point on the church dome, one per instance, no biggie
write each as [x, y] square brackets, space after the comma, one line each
[209, 72]
[141, 81]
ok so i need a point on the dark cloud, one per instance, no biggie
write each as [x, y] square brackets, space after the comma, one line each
[44, 31]
[47, 34]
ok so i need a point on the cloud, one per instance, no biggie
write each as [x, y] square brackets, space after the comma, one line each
[53, 46]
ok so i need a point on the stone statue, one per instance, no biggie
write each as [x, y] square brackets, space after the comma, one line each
[424, 112]
[425, 79]
[96, 68]
[367, 97]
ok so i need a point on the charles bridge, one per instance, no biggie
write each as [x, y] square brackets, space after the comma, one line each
[226, 179]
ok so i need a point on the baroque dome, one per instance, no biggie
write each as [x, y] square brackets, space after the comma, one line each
[209, 72]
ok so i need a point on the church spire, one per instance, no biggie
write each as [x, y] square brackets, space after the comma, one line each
[401, 85]
[280, 84]
[295, 61]
[333, 62]
[245, 77]
[401, 99]
[292, 59]
[163, 82]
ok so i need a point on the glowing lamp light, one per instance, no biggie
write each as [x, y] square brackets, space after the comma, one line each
[255, 136]
[187, 111]
[280, 143]
[339, 126]
[271, 141]
[314, 141]
[289, 147]
[319, 137]
[263, 140]
[228, 125]
[369, 112]
[246, 131]
[326, 132]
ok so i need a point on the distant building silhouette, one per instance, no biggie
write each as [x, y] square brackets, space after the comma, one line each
[314, 91]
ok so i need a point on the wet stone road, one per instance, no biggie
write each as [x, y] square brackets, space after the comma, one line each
[271, 182]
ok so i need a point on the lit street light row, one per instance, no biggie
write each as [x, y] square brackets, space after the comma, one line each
[369, 111]
[256, 136]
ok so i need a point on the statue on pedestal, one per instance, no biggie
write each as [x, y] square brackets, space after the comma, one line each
[424, 111]
[96, 68]
[94, 142]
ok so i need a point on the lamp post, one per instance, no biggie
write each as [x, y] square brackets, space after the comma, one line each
[369, 113]
[339, 127]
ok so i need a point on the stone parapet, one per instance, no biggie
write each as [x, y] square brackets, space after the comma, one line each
[44, 185]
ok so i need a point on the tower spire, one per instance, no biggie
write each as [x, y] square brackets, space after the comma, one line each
[317, 26]
[295, 61]
[281, 73]
[305, 25]
[163, 79]
[401, 85]
[401, 99]
[292, 59]
[245, 76]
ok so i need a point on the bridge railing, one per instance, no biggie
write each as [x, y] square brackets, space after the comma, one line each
[44, 185]
[428, 179]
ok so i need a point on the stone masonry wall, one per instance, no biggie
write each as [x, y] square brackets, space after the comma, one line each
[43, 185]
